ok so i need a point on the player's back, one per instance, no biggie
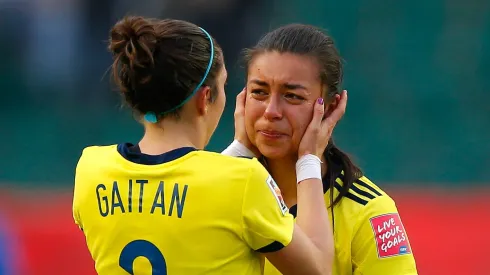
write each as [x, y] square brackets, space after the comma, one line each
[176, 213]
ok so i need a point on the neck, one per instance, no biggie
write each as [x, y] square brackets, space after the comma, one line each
[284, 173]
[168, 135]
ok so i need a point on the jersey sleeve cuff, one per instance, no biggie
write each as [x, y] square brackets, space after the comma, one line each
[272, 247]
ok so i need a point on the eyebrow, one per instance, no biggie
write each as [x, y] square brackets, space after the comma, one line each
[289, 86]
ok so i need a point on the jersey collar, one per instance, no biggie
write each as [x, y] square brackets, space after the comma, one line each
[133, 153]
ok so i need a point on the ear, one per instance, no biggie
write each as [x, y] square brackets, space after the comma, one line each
[329, 107]
[203, 97]
[330, 102]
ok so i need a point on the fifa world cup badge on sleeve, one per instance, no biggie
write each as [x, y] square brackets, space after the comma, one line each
[390, 235]
[277, 194]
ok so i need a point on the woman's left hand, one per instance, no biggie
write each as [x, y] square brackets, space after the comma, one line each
[240, 132]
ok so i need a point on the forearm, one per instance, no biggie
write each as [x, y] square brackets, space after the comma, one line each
[236, 149]
[312, 218]
[312, 215]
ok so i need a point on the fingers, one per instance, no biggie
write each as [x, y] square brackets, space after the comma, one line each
[318, 111]
[240, 101]
[240, 98]
[339, 110]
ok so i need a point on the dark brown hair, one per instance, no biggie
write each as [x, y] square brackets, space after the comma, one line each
[158, 63]
[313, 42]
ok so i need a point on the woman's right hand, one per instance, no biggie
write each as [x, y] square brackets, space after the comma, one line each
[240, 132]
[320, 129]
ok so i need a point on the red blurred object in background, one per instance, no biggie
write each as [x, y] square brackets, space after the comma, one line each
[448, 231]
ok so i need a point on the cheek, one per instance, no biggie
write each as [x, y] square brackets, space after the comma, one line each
[252, 114]
[299, 122]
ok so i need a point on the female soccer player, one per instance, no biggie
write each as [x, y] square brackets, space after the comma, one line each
[165, 206]
[286, 71]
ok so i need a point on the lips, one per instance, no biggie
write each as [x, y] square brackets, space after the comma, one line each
[271, 134]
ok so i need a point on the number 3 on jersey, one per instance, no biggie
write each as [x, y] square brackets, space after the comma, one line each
[141, 248]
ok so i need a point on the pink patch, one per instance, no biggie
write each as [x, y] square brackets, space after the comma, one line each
[390, 235]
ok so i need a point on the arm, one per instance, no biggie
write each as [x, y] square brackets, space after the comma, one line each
[79, 192]
[311, 250]
[76, 199]
[303, 248]
[76, 215]
[380, 244]
[237, 149]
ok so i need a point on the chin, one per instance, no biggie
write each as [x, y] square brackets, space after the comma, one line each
[273, 152]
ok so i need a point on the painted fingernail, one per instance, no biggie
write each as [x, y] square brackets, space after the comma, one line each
[320, 101]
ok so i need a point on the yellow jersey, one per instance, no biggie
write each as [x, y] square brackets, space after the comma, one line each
[369, 236]
[182, 212]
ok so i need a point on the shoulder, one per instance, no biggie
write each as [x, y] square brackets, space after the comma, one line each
[379, 241]
[88, 167]
[219, 156]
[368, 203]
[97, 151]
[368, 191]
[377, 198]
[94, 155]
[230, 163]
[362, 192]
[364, 201]
[228, 169]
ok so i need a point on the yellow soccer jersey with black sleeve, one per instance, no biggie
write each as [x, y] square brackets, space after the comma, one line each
[369, 236]
[182, 212]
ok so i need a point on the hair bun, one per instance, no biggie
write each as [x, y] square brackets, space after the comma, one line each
[132, 43]
[133, 39]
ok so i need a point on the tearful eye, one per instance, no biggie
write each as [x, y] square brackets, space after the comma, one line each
[294, 96]
[258, 92]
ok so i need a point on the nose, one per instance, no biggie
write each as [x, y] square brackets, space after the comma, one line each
[273, 110]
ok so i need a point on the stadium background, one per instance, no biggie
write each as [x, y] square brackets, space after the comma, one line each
[418, 120]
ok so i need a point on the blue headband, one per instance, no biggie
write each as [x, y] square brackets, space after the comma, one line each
[152, 117]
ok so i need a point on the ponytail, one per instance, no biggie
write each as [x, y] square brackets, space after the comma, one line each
[338, 162]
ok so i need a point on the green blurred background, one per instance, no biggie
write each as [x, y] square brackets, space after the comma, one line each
[417, 122]
[417, 74]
